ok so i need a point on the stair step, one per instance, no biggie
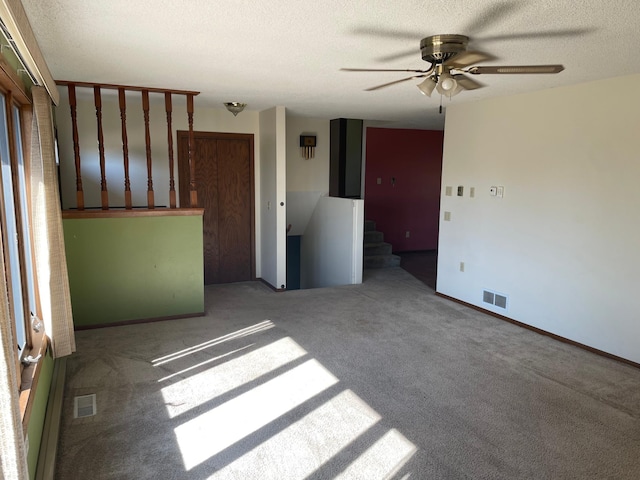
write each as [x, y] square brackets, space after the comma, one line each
[373, 236]
[381, 261]
[369, 225]
[377, 248]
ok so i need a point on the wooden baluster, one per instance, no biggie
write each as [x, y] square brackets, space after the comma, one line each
[76, 145]
[125, 149]
[104, 193]
[172, 183]
[193, 193]
[147, 138]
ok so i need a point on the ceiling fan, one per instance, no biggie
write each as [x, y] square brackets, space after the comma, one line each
[450, 61]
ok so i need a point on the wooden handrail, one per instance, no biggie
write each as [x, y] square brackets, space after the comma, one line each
[98, 103]
[136, 212]
[130, 88]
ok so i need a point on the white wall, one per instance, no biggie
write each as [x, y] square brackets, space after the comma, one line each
[331, 249]
[563, 242]
[307, 180]
[205, 119]
[273, 195]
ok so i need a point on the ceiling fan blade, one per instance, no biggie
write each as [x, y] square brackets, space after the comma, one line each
[383, 32]
[466, 82]
[464, 59]
[569, 32]
[516, 69]
[378, 87]
[395, 34]
[398, 55]
[382, 70]
[494, 14]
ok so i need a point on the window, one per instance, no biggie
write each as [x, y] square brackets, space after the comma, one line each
[16, 227]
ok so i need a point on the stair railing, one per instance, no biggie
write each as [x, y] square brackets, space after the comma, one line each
[122, 90]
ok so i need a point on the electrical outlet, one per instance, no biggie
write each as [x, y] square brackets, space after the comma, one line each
[447, 191]
[447, 216]
[407, 235]
[500, 192]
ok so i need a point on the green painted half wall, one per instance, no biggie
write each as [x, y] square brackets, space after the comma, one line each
[38, 411]
[134, 268]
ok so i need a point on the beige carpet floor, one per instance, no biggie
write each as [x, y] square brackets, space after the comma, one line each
[383, 380]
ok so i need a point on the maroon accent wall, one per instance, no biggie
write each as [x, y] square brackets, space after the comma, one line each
[414, 159]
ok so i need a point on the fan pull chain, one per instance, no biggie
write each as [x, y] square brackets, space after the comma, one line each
[440, 105]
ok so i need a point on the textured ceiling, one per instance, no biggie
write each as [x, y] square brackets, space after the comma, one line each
[289, 53]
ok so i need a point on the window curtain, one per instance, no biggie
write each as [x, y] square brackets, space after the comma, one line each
[48, 236]
[13, 460]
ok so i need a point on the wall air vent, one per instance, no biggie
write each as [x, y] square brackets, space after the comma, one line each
[84, 406]
[494, 298]
[500, 301]
[488, 297]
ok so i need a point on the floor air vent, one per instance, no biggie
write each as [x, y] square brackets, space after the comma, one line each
[494, 298]
[84, 406]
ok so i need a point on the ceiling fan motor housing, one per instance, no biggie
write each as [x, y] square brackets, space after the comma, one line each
[439, 48]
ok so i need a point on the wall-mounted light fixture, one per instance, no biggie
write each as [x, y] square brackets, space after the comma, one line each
[307, 146]
[235, 107]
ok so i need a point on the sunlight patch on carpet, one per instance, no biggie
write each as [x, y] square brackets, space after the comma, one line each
[206, 362]
[307, 444]
[257, 328]
[383, 459]
[205, 386]
[217, 429]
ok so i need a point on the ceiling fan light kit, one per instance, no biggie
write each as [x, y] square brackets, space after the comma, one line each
[447, 85]
[427, 86]
[449, 61]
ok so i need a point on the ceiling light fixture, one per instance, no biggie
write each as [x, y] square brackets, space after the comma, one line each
[447, 85]
[427, 86]
[235, 107]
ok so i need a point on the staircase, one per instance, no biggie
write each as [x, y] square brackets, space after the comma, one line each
[377, 253]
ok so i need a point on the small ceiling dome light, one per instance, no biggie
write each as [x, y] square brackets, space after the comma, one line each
[447, 85]
[426, 87]
[235, 107]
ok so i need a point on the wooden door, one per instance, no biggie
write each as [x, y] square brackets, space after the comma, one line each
[224, 181]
